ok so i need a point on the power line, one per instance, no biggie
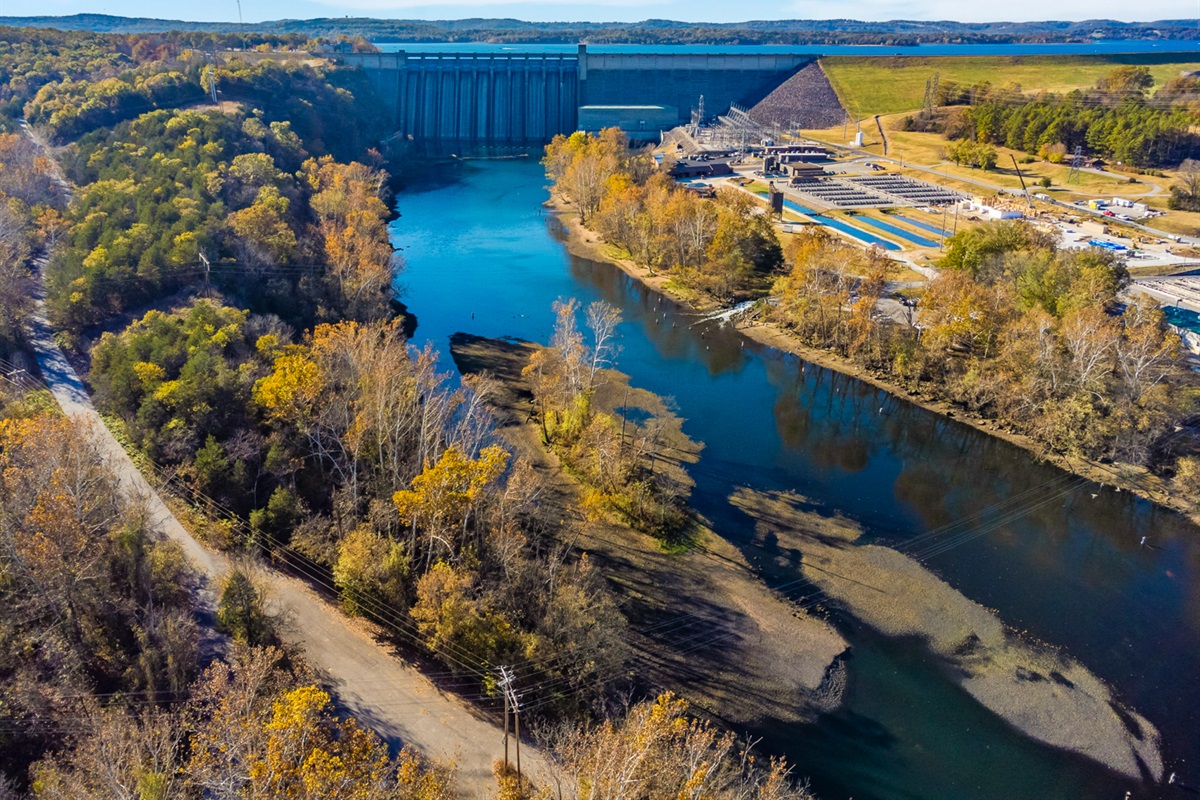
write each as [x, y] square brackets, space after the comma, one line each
[920, 548]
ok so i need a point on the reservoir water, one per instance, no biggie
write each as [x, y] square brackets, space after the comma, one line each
[1102, 47]
[485, 259]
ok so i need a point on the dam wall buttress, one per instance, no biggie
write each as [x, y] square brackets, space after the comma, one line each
[527, 98]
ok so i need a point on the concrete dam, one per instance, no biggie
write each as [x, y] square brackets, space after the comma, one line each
[527, 98]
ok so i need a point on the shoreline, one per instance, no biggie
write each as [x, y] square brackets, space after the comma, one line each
[766, 661]
[585, 243]
[1038, 690]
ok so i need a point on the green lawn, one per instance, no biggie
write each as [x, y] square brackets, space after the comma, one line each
[888, 85]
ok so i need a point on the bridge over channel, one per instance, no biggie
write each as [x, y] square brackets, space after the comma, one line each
[527, 98]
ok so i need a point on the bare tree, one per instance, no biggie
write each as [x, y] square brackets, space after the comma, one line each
[602, 320]
[1090, 336]
[568, 341]
[1189, 177]
[1146, 353]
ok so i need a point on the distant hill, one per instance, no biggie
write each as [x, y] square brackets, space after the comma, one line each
[652, 31]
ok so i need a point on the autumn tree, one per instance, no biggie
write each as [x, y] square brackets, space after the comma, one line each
[657, 750]
[457, 624]
[252, 729]
[351, 214]
[1126, 82]
[444, 497]
[372, 570]
[264, 233]
[94, 602]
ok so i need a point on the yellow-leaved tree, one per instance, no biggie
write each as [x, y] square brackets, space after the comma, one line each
[446, 493]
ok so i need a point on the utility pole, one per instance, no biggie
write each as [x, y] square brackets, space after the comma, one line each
[505, 725]
[624, 417]
[1024, 188]
[512, 701]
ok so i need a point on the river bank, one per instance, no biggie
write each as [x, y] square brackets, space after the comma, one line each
[586, 243]
[702, 622]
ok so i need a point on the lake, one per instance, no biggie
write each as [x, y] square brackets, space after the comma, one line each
[1065, 567]
[1023, 49]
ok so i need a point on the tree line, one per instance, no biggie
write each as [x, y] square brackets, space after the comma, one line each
[1117, 119]
[30, 224]
[725, 247]
[1015, 330]
[31, 58]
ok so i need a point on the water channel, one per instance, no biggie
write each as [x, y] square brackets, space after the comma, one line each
[484, 258]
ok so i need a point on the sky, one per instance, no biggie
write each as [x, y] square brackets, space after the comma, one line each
[618, 10]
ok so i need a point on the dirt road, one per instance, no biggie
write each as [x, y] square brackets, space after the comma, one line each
[392, 698]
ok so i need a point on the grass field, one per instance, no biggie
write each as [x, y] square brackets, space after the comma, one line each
[888, 85]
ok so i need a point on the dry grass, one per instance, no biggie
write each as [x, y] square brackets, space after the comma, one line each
[887, 85]
[928, 150]
[1185, 223]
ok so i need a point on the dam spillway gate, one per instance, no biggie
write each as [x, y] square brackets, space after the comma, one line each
[527, 98]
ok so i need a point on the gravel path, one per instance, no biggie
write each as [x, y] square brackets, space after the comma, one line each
[392, 698]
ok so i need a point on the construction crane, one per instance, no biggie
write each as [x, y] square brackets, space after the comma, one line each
[1024, 188]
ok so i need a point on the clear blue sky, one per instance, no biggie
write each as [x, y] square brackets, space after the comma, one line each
[623, 10]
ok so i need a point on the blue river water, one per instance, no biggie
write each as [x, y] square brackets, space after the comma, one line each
[483, 258]
[1030, 49]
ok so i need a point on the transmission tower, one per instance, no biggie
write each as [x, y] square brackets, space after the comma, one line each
[1076, 163]
[210, 77]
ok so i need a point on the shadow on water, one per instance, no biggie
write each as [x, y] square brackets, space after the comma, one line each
[1067, 567]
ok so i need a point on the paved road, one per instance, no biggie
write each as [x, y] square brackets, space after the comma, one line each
[392, 698]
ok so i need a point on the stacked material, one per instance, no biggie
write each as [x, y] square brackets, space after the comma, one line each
[804, 101]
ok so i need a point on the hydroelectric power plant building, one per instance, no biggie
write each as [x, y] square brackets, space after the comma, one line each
[526, 98]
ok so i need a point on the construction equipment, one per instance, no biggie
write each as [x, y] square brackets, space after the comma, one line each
[1024, 188]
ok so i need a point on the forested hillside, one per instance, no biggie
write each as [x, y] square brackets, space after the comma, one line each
[650, 31]
[1017, 331]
